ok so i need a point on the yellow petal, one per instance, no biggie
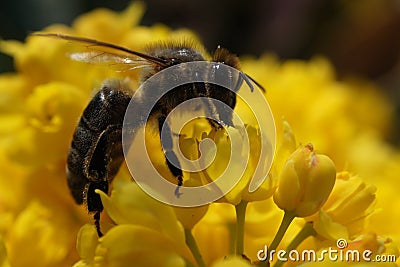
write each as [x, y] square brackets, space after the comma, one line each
[189, 217]
[124, 245]
[349, 204]
[287, 145]
[320, 182]
[329, 229]
[234, 261]
[129, 204]
[86, 243]
[287, 194]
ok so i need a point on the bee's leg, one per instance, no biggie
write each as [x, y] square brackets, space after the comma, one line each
[102, 167]
[214, 124]
[213, 117]
[169, 153]
[219, 106]
[219, 117]
[93, 201]
[96, 218]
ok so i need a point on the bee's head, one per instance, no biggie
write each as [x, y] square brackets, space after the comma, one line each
[222, 55]
[172, 53]
[181, 55]
[175, 53]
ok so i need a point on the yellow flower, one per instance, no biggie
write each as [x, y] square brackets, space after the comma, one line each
[305, 182]
[344, 213]
[137, 217]
[34, 228]
[322, 109]
[51, 112]
[215, 161]
[214, 232]
[223, 157]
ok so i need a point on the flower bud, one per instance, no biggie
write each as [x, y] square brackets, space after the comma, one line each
[305, 182]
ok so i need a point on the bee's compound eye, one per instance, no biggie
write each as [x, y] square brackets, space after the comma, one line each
[92, 198]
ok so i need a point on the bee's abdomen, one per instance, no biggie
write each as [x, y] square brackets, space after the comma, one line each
[96, 153]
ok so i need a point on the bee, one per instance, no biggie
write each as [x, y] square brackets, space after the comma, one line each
[96, 151]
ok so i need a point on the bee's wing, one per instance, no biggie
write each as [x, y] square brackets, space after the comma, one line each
[118, 62]
[101, 52]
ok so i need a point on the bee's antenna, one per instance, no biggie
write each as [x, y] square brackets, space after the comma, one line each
[248, 81]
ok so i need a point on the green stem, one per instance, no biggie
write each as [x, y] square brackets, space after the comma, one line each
[191, 242]
[240, 218]
[286, 221]
[232, 237]
[306, 231]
